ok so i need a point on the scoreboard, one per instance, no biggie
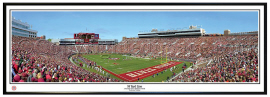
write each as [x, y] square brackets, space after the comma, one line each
[86, 38]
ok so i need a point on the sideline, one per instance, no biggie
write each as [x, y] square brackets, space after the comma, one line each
[105, 71]
[70, 59]
[188, 69]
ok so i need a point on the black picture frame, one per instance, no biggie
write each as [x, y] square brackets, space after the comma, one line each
[133, 4]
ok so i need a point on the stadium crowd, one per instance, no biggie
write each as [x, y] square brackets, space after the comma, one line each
[236, 61]
[36, 60]
[234, 58]
[231, 67]
[182, 48]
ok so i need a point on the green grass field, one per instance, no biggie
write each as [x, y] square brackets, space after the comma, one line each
[124, 66]
[93, 70]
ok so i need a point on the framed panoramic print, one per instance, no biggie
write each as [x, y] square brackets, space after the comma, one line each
[134, 48]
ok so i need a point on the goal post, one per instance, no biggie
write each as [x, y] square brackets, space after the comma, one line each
[163, 59]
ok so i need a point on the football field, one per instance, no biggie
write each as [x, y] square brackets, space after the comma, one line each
[130, 68]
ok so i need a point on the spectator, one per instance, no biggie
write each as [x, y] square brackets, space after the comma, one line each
[40, 78]
[30, 75]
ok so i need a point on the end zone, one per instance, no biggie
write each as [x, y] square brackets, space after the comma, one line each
[143, 73]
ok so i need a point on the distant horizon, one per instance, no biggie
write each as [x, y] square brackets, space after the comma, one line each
[118, 24]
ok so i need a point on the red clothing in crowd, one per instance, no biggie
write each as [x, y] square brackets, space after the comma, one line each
[48, 76]
[34, 79]
[16, 78]
[15, 66]
[41, 80]
[21, 80]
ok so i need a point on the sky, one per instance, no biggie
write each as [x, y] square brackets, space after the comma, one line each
[116, 24]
